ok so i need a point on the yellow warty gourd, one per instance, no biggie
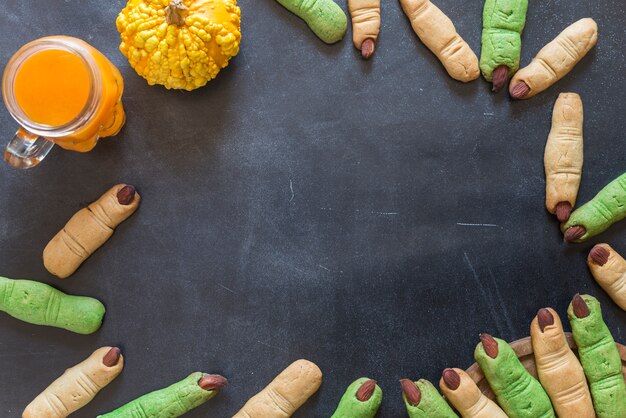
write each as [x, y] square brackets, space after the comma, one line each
[181, 44]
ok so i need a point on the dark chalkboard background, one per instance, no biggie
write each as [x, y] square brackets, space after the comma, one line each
[308, 204]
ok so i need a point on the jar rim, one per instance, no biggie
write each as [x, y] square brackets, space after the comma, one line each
[71, 45]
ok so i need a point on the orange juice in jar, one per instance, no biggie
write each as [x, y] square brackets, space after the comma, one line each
[61, 91]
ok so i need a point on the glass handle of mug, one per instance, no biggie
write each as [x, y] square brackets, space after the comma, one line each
[26, 150]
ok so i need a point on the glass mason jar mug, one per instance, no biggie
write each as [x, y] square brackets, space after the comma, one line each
[62, 91]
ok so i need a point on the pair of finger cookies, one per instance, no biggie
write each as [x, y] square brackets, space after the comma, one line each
[503, 23]
[81, 383]
[86, 231]
[558, 368]
[563, 163]
[593, 386]
[297, 383]
[423, 401]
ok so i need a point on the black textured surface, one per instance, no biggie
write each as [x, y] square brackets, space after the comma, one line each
[308, 204]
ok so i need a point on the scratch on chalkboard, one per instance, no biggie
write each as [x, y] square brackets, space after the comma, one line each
[469, 263]
[507, 318]
[225, 288]
[291, 188]
[373, 212]
[486, 297]
[324, 267]
[480, 225]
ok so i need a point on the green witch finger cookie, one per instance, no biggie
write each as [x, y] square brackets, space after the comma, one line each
[519, 394]
[503, 23]
[40, 304]
[325, 18]
[599, 357]
[361, 400]
[423, 401]
[595, 216]
[173, 401]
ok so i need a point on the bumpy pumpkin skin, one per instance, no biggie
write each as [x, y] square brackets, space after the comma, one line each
[185, 55]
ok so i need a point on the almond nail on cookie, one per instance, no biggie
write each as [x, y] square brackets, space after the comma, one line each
[555, 60]
[438, 33]
[558, 368]
[599, 356]
[40, 304]
[608, 268]
[597, 215]
[361, 400]
[172, 401]
[295, 385]
[365, 25]
[563, 156]
[423, 401]
[503, 23]
[519, 394]
[466, 397]
[77, 386]
[88, 229]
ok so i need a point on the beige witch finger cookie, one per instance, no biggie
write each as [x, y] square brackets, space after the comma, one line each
[609, 270]
[365, 25]
[285, 394]
[466, 397]
[555, 60]
[77, 386]
[563, 157]
[88, 229]
[560, 372]
[438, 33]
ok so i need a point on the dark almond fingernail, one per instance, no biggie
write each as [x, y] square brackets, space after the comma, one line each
[367, 48]
[126, 195]
[212, 381]
[574, 233]
[581, 310]
[490, 345]
[520, 90]
[366, 390]
[452, 379]
[599, 255]
[499, 77]
[563, 210]
[545, 318]
[111, 358]
[411, 392]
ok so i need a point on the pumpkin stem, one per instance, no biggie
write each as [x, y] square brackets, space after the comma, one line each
[175, 13]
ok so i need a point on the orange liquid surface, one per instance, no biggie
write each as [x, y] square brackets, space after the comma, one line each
[52, 87]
